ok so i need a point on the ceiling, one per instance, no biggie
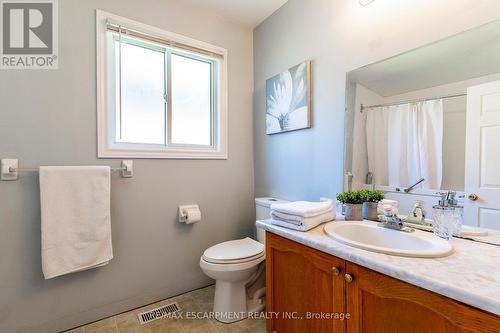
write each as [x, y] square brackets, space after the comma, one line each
[248, 12]
[470, 54]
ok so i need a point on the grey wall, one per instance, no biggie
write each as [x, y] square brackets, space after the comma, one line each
[49, 118]
[339, 36]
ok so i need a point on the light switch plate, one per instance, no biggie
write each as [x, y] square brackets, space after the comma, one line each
[5, 165]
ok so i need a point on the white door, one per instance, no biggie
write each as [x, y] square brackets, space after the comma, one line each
[482, 156]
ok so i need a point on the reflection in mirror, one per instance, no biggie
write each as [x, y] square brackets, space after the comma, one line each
[407, 121]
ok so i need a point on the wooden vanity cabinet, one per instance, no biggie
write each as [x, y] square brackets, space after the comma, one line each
[303, 280]
[299, 281]
[379, 303]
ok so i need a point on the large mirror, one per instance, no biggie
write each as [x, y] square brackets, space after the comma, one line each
[428, 120]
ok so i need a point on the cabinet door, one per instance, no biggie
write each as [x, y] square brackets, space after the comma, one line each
[378, 303]
[302, 281]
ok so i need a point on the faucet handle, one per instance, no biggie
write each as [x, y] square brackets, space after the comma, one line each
[443, 200]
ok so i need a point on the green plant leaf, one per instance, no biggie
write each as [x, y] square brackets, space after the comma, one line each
[358, 197]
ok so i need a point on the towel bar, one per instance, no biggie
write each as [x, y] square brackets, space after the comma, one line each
[10, 169]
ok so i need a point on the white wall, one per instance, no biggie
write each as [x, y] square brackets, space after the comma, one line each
[339, 36]
[48, 117]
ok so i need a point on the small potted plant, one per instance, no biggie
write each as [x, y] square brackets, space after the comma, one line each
[370, 203]
[352, 203]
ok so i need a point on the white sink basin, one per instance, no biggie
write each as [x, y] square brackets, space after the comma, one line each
[369, 236]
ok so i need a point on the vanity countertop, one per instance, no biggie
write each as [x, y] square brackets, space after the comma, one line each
[471, 274]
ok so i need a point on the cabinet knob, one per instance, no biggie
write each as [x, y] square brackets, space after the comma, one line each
[273, 331]
[473, 197]
[348, 278]
[335, 270]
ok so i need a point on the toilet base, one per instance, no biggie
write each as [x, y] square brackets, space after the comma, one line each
[232, 303]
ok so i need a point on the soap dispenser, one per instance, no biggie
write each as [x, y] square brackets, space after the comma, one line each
[419, 210]
[448, 215]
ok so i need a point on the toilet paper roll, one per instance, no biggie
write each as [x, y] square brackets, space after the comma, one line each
[193, 214]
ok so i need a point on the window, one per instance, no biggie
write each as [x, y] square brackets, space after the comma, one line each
[161, 95]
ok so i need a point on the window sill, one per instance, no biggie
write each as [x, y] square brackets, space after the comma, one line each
[171, 153]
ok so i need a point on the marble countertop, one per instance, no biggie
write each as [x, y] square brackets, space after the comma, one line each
[471, 274]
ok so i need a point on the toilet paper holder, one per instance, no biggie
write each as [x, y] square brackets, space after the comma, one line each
[184, 213]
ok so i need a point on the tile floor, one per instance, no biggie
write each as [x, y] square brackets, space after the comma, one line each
[197, 300]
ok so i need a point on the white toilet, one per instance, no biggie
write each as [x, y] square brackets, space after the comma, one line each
[238, 267]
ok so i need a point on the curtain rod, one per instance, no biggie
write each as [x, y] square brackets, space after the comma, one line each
[363, 107]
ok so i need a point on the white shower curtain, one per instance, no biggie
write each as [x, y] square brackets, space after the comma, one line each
[405, 143]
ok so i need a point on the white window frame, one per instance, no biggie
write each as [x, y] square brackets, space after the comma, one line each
[106, 145]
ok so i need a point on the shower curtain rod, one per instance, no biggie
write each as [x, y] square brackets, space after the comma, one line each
[363, 107]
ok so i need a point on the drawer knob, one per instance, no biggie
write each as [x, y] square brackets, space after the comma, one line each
[335, 270]
[348, 278]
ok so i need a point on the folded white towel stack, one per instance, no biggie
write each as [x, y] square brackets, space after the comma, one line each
[303, 208]
[302, 215]
[76, 222]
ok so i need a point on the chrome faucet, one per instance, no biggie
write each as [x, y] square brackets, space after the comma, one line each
[391, 221]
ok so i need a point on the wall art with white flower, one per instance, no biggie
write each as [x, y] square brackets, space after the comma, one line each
[288, 99]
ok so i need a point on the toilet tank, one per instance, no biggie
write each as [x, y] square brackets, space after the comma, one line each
[263, 212]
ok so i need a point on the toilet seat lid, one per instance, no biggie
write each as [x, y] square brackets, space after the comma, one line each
[234, 250]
